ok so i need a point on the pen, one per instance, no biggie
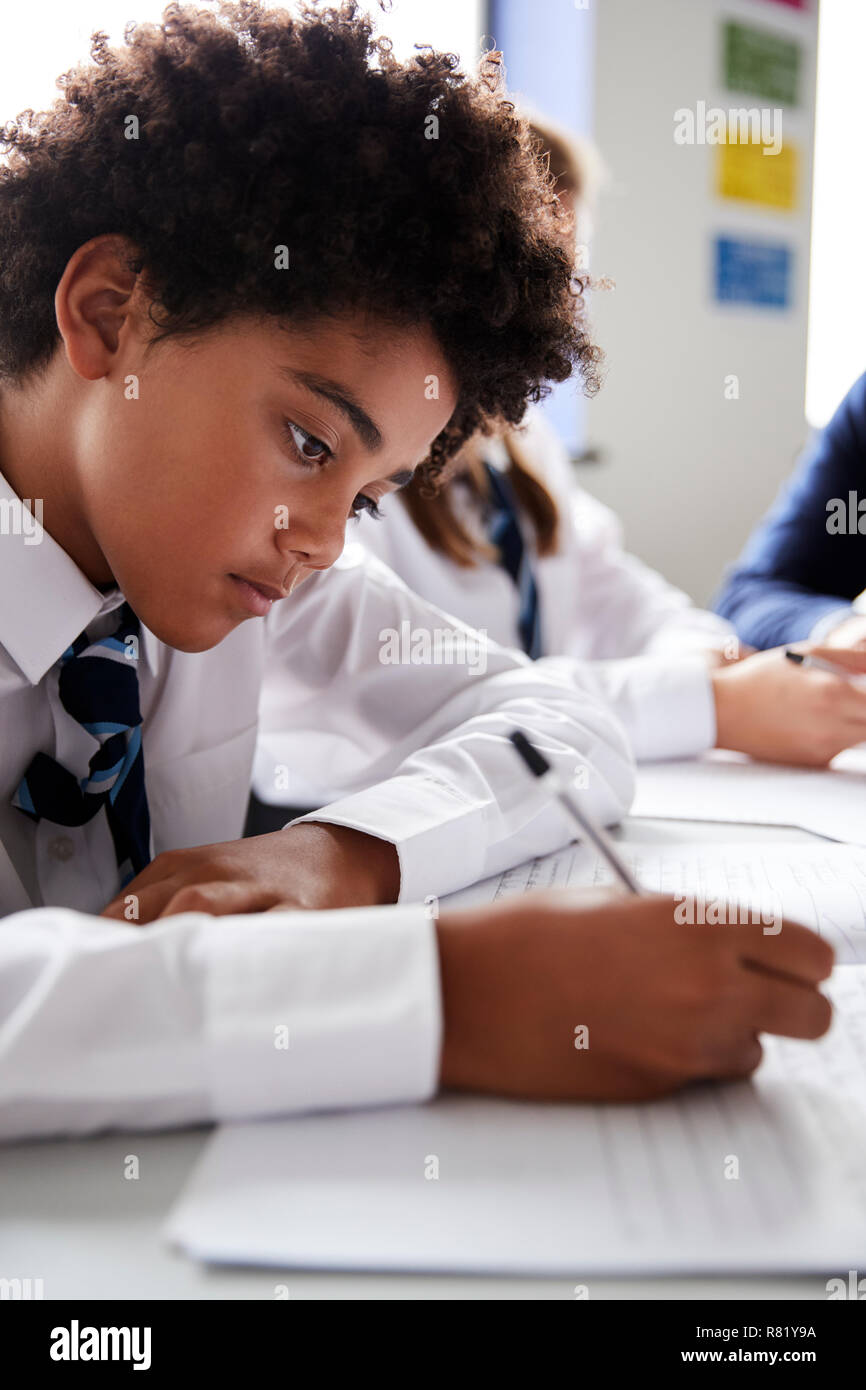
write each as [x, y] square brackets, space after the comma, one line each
[817, 663]
[540, 768]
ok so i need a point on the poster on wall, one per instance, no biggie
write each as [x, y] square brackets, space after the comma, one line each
[752, 272]
[762, 63]
[746, 172]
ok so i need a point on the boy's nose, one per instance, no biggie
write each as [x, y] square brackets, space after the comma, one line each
[316, 546]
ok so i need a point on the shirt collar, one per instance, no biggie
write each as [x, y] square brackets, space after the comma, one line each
[494, 452]
[45, 600]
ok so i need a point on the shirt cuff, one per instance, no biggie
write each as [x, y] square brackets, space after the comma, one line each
[828, 621]
[666, 704]
[339, 1010]
[428, 823]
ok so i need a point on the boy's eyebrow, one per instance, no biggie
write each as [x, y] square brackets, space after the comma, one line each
[403, 478]
[344, 400]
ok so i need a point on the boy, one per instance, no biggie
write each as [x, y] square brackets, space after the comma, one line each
[243, 297]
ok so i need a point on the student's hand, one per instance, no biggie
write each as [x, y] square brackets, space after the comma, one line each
[850, 634]
[307, 866]
[662, 1004]
[778, 712]
[733, 651]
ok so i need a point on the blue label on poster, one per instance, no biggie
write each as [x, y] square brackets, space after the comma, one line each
[752, 272]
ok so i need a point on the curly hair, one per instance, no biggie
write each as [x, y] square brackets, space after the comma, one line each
[217, 135]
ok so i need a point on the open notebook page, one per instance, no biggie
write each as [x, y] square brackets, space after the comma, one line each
[730, 787]
[758, 1176]
[821, 885]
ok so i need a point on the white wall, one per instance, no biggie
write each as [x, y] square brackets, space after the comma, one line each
[689, 471]
[838, 270]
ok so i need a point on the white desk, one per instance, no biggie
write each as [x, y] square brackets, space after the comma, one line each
[69, 1217]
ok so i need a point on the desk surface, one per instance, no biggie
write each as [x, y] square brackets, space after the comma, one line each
[69, 1217]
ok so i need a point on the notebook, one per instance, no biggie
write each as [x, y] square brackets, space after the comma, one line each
[725, 786]
[821, 885]
[759, 1176]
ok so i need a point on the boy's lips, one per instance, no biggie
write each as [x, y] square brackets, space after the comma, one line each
[256, 596]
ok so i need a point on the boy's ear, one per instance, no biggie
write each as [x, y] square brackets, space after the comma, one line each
[93, 303]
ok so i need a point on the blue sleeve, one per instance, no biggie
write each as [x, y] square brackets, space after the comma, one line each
[808, 556]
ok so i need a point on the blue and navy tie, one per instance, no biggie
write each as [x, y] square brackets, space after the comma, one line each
[503, 529]
[98, 685]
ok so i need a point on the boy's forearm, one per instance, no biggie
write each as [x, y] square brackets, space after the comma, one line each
[353, 869]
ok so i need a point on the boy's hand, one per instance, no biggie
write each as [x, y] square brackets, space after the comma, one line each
[782, 713]
[662, 1004]
[309, 866]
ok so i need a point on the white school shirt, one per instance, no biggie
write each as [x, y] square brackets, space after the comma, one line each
[106, 1024]
[598, 604]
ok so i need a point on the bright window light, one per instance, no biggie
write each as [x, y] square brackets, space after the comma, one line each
[452, 26]
[40, 41]
[837, 293]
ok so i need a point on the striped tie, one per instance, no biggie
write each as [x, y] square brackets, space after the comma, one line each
[503, 529]
[98, 686]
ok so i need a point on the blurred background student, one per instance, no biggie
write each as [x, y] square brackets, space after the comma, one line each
[725, 295]
[512, 545]
[804, 567]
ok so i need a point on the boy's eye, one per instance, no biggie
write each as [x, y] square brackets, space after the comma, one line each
[363, 503]
[312, 450]
[309, 448]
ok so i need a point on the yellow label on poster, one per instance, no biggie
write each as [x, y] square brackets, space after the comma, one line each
[744, 171]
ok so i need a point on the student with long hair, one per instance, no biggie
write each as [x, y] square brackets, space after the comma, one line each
[511, 544]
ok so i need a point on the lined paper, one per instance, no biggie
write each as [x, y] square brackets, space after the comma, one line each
[821, 885]
[758, 1176]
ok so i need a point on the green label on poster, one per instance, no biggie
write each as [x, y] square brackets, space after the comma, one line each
[763, 63]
